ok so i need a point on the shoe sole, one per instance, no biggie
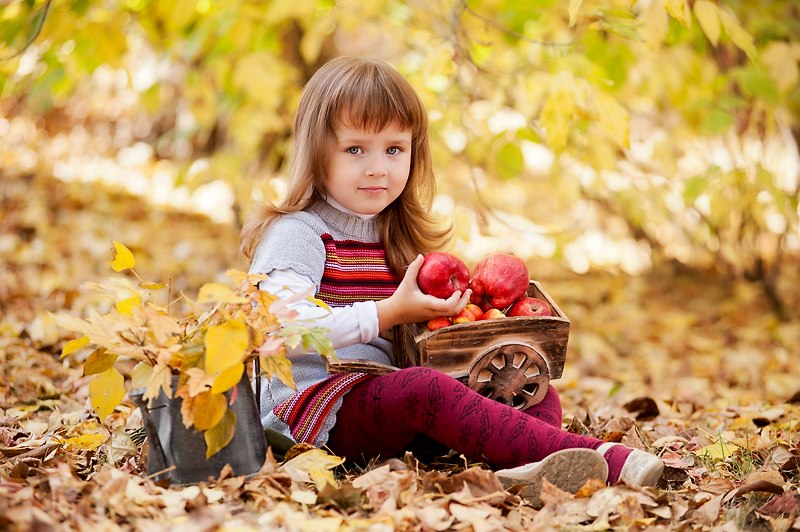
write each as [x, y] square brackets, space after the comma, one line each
[568, 470]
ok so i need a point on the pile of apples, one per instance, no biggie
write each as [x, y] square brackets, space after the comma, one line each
[499, 287]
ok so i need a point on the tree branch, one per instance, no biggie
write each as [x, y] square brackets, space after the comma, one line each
[508, 31]
[35, 35]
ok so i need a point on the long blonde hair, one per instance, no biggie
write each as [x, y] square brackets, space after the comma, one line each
[367, 94]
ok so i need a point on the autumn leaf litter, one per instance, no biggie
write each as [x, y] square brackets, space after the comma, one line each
[691, 372]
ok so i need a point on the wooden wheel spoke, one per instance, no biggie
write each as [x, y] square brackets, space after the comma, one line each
[537, 379]
[513, 374]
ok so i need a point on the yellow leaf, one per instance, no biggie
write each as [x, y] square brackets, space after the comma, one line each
[220, 435]
[85, 442]
[260, 76]
[319, 303]
[238, 276]
[321, 477]
[313, 465]
[73, 345]
[707, 15]
[574, 7]
[208, 409]
[140, 374]
[227, 379]
[98, 362]
[218, 293]
[152, 286]
[106, 390]
[740, 37]
[197, 383]
[225, 345]
[781, 59]
[655, 23]
[123, 259]
[265, 300]
[279, 366]
[160, 380]
[614, 118]
[125, 306]
[679, 10]
[719, 450]
[558, 111]
[164, 328]
[314, 38]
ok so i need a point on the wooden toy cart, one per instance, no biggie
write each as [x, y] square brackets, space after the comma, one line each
[511, 360]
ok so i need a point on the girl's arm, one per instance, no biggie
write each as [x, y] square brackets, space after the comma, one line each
[409, 305]
[349, 325]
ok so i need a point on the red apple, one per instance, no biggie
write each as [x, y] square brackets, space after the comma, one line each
[442, 274]
[492, 314]
[498, 280]
[438, 323]
[475, 310]
[530, 306]
[464, 316]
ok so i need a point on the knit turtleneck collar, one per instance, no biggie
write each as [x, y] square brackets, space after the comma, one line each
[349, 225]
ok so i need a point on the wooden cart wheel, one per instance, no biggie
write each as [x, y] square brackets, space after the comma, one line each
[514, 374]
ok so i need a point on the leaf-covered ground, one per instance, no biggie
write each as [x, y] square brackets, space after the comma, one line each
[692, 366]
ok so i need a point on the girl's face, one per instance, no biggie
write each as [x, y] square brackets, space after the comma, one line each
[367, 171]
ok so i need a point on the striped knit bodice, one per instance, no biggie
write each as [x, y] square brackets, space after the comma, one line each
[355, 271]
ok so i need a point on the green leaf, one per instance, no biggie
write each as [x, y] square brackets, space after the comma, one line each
[694, 187]
[716, 121]
[509, 161]
[757, 83]
[318, 339]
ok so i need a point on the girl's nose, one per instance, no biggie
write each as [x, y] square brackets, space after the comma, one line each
[376, 168]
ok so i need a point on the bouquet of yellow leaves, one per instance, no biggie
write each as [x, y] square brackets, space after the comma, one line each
[207, 349]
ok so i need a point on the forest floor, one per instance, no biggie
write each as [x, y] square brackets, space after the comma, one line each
[690, 365]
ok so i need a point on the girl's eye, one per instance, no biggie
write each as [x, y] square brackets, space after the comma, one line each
[353, 150]
[394, 150]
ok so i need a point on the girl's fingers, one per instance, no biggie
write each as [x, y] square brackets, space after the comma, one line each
[413, 268]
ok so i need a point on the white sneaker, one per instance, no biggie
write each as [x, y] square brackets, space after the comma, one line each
[567, 469]
[640, 468]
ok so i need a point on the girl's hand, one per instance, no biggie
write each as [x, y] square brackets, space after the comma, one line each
[409, 305]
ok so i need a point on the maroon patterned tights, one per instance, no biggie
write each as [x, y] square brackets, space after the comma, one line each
[380, 416]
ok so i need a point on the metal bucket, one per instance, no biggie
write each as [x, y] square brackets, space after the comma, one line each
[178, 454]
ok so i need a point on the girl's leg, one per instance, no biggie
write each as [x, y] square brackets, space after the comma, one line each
[381, 415]
[548, 409]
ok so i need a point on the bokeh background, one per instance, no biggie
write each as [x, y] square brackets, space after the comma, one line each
[641, 156]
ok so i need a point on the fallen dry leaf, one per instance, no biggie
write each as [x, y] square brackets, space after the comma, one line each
[782, 505]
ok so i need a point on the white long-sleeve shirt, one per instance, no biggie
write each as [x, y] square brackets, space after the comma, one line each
[354, 324]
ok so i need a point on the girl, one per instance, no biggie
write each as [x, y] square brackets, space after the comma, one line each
[352, 228]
